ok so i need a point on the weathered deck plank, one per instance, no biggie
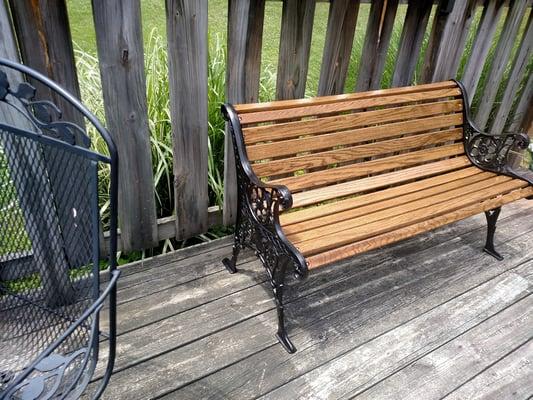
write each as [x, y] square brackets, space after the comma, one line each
[193, 331]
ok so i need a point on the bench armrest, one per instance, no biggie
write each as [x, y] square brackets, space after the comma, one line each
[259, 205]
[494, 153]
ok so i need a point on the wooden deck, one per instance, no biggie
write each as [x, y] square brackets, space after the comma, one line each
[428, 318]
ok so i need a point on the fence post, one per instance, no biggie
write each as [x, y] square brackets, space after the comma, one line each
[416, 21]
[120, 48]
[377, 39]
[187, 64]
[338, 47]
[295, 44]
[245, 32]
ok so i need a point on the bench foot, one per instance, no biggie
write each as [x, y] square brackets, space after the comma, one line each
[230, 263]
[492, 217]
[284, 340]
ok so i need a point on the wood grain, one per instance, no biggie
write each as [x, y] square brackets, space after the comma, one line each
[349, 172]
[309, 213]
[289, 130]
[120, 51]
[295, 43]
[245, 34]
[340, 32]
[350, 137]
[416, 20]
[187, 40]
[415, 229]
[377, 38]
[383, 180]
[459, 186]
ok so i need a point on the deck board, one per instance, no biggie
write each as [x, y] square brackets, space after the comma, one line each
[365, 327]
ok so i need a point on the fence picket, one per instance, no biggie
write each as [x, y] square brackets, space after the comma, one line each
[295, 43]
[338, 47]
[377, 38]
[120, 49]
[245, 33]
[187, 58]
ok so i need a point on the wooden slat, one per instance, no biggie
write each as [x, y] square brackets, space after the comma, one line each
[309, 213]
[338, 46]
[295, 146]
[414, 27]
[352, 171]
[362, 232]
[451, 44]
[410, 203]
[519, 68]
[500, 61]
[120, 50]
[187, 40]
[492, 11]
[377, 38]
[524, 110]
[283, 104]
[375, 182]
[486, 178]
[288, 130]
[295, 44]
[245, 33]
[414, 229]
[349, 105]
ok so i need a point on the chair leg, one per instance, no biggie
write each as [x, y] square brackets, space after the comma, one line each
[492, 217]
[278, 282]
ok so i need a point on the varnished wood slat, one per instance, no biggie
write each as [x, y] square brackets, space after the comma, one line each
[466, 184]
[310, 213]
[346, 154]
[313, 101]
[395, 207]
[381, 240]
[289, 130]
[295, 146]
[347, 236]
[374, 182]
[348, 105]
[352, 171]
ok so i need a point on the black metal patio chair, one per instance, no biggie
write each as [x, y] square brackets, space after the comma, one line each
[53, 295]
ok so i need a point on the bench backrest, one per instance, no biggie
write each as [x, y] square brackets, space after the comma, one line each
[314, 143]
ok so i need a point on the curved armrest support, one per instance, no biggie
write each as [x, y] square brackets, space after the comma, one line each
[260, 203]
[489, 152]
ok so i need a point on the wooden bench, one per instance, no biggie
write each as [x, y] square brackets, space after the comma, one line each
[360, 171]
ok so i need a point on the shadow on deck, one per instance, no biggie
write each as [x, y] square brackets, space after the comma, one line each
[427, 318]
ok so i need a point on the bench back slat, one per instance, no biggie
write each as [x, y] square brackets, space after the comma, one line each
[307, 144]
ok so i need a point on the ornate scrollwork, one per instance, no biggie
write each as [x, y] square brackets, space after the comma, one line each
[44, 115]
[492, 152]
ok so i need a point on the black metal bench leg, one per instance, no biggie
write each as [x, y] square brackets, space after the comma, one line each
[230, 263]
[278, 282]
[492, 217]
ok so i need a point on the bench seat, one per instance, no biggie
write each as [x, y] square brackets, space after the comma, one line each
[323, 179]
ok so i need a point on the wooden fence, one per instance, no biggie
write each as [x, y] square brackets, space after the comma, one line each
[42, 31]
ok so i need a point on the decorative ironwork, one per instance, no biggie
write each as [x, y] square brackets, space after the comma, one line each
[492, 152]
[51, 296]
[258, 228]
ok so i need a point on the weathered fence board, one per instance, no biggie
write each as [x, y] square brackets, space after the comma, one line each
[450, 32]
[377, 38]
[120, 50]
[492, 11]
[416, 21]
[245, 34]
[519, 67]
[500, 61]
[295, 43]
[338, 47]
[523, 115]
[187, 58]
